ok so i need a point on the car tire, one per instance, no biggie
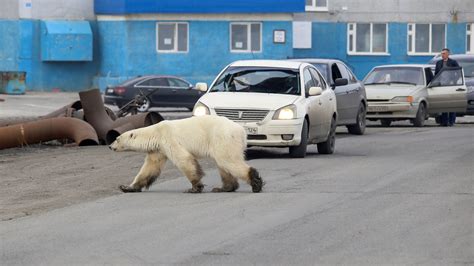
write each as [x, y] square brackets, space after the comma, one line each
[385, 122]
[329, 145]
[145, 106]
[300, 150]
[359, 127]
[420, 118]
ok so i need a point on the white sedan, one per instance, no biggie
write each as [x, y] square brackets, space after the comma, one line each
[411, 92]
[279, 103]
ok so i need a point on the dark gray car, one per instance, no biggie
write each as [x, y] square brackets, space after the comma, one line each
[466, 61]
[350, 92]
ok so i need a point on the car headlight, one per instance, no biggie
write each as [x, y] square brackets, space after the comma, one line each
[285, 113]
[403, 99]
[200, 109]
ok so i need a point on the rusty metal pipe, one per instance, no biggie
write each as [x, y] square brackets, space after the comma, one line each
[96, 115]
[131, 122]
[65, 111]
[81, 132]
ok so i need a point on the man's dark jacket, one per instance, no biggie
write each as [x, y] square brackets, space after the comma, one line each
[449, 63]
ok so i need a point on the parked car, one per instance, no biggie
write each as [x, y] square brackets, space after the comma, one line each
[161, 91]
[401, 92]
[279, 103]
[350, 92]
[466, 61]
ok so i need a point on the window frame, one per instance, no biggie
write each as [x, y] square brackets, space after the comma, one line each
[175, 48]
[353, 32]
[249, 37]
[470, 36]
[412, 33]
[313, 7]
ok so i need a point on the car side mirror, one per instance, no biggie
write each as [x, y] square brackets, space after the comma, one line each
[340, 82]
[201, 86]
[315, 91]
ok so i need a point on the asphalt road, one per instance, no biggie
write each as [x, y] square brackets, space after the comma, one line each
[398, 195]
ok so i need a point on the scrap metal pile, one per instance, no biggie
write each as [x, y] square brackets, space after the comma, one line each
[86, 122]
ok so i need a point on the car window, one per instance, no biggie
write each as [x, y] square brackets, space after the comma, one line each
[344, 73]
[177, 83]
[402, 75]
[468, 66]
[308, 80]
[336, 74]
[318, 81]
[352, 77]
[154, 82]
[323, 69]
[449, 77]
[259, 80]
[429, 74]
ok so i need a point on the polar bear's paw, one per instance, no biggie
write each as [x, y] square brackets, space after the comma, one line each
[230, 187]
[127, 189]
[255, 180]
[197, 188]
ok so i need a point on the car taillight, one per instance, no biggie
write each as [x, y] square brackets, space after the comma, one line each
[119, 90]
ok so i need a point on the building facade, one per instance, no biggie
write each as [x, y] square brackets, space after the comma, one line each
[78, 44]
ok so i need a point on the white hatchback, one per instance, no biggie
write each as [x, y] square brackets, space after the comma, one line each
[279, 103]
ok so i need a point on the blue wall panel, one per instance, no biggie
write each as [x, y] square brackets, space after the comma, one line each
[129, 49]
[197, 6]
[20, 50]
[9, 41]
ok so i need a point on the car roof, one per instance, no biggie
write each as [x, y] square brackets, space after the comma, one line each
[139, 78]
[316, 60]
[267, 63]
[406, 65]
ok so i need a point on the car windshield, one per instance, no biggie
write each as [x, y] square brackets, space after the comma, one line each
[399, 75]
[260, 80]
[323, 68]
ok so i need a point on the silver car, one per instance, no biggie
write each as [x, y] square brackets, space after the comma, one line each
[350, 92]
[411, 92]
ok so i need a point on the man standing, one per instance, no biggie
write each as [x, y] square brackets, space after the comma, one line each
[447, 119]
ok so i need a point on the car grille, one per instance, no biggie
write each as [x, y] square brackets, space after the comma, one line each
[243, 115]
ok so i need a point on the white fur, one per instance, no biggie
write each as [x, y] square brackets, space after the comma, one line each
[183, 141]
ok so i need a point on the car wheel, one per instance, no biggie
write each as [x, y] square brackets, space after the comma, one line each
[359, 127]
[419, 121]
[145, 106]
[329, 145]
[385, 122]
[300, 150]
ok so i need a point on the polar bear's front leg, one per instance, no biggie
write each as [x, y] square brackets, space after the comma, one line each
[148, 174]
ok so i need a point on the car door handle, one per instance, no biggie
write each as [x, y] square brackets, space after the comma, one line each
[461, 89]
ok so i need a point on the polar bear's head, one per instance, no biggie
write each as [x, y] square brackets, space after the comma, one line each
[135, 140]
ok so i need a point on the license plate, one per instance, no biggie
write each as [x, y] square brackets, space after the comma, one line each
[251, 130]
[378, 108]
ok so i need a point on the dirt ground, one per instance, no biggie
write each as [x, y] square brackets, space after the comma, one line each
[40, 178]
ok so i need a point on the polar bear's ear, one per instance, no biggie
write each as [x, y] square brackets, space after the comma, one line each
[131, 135]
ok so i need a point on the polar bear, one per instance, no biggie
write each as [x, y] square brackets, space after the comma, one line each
[183, 142]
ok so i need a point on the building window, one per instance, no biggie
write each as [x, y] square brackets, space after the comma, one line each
[470, 38]
[246, 37]
[367, 38]
[426, 39]
[317, 5]
[172, 37]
